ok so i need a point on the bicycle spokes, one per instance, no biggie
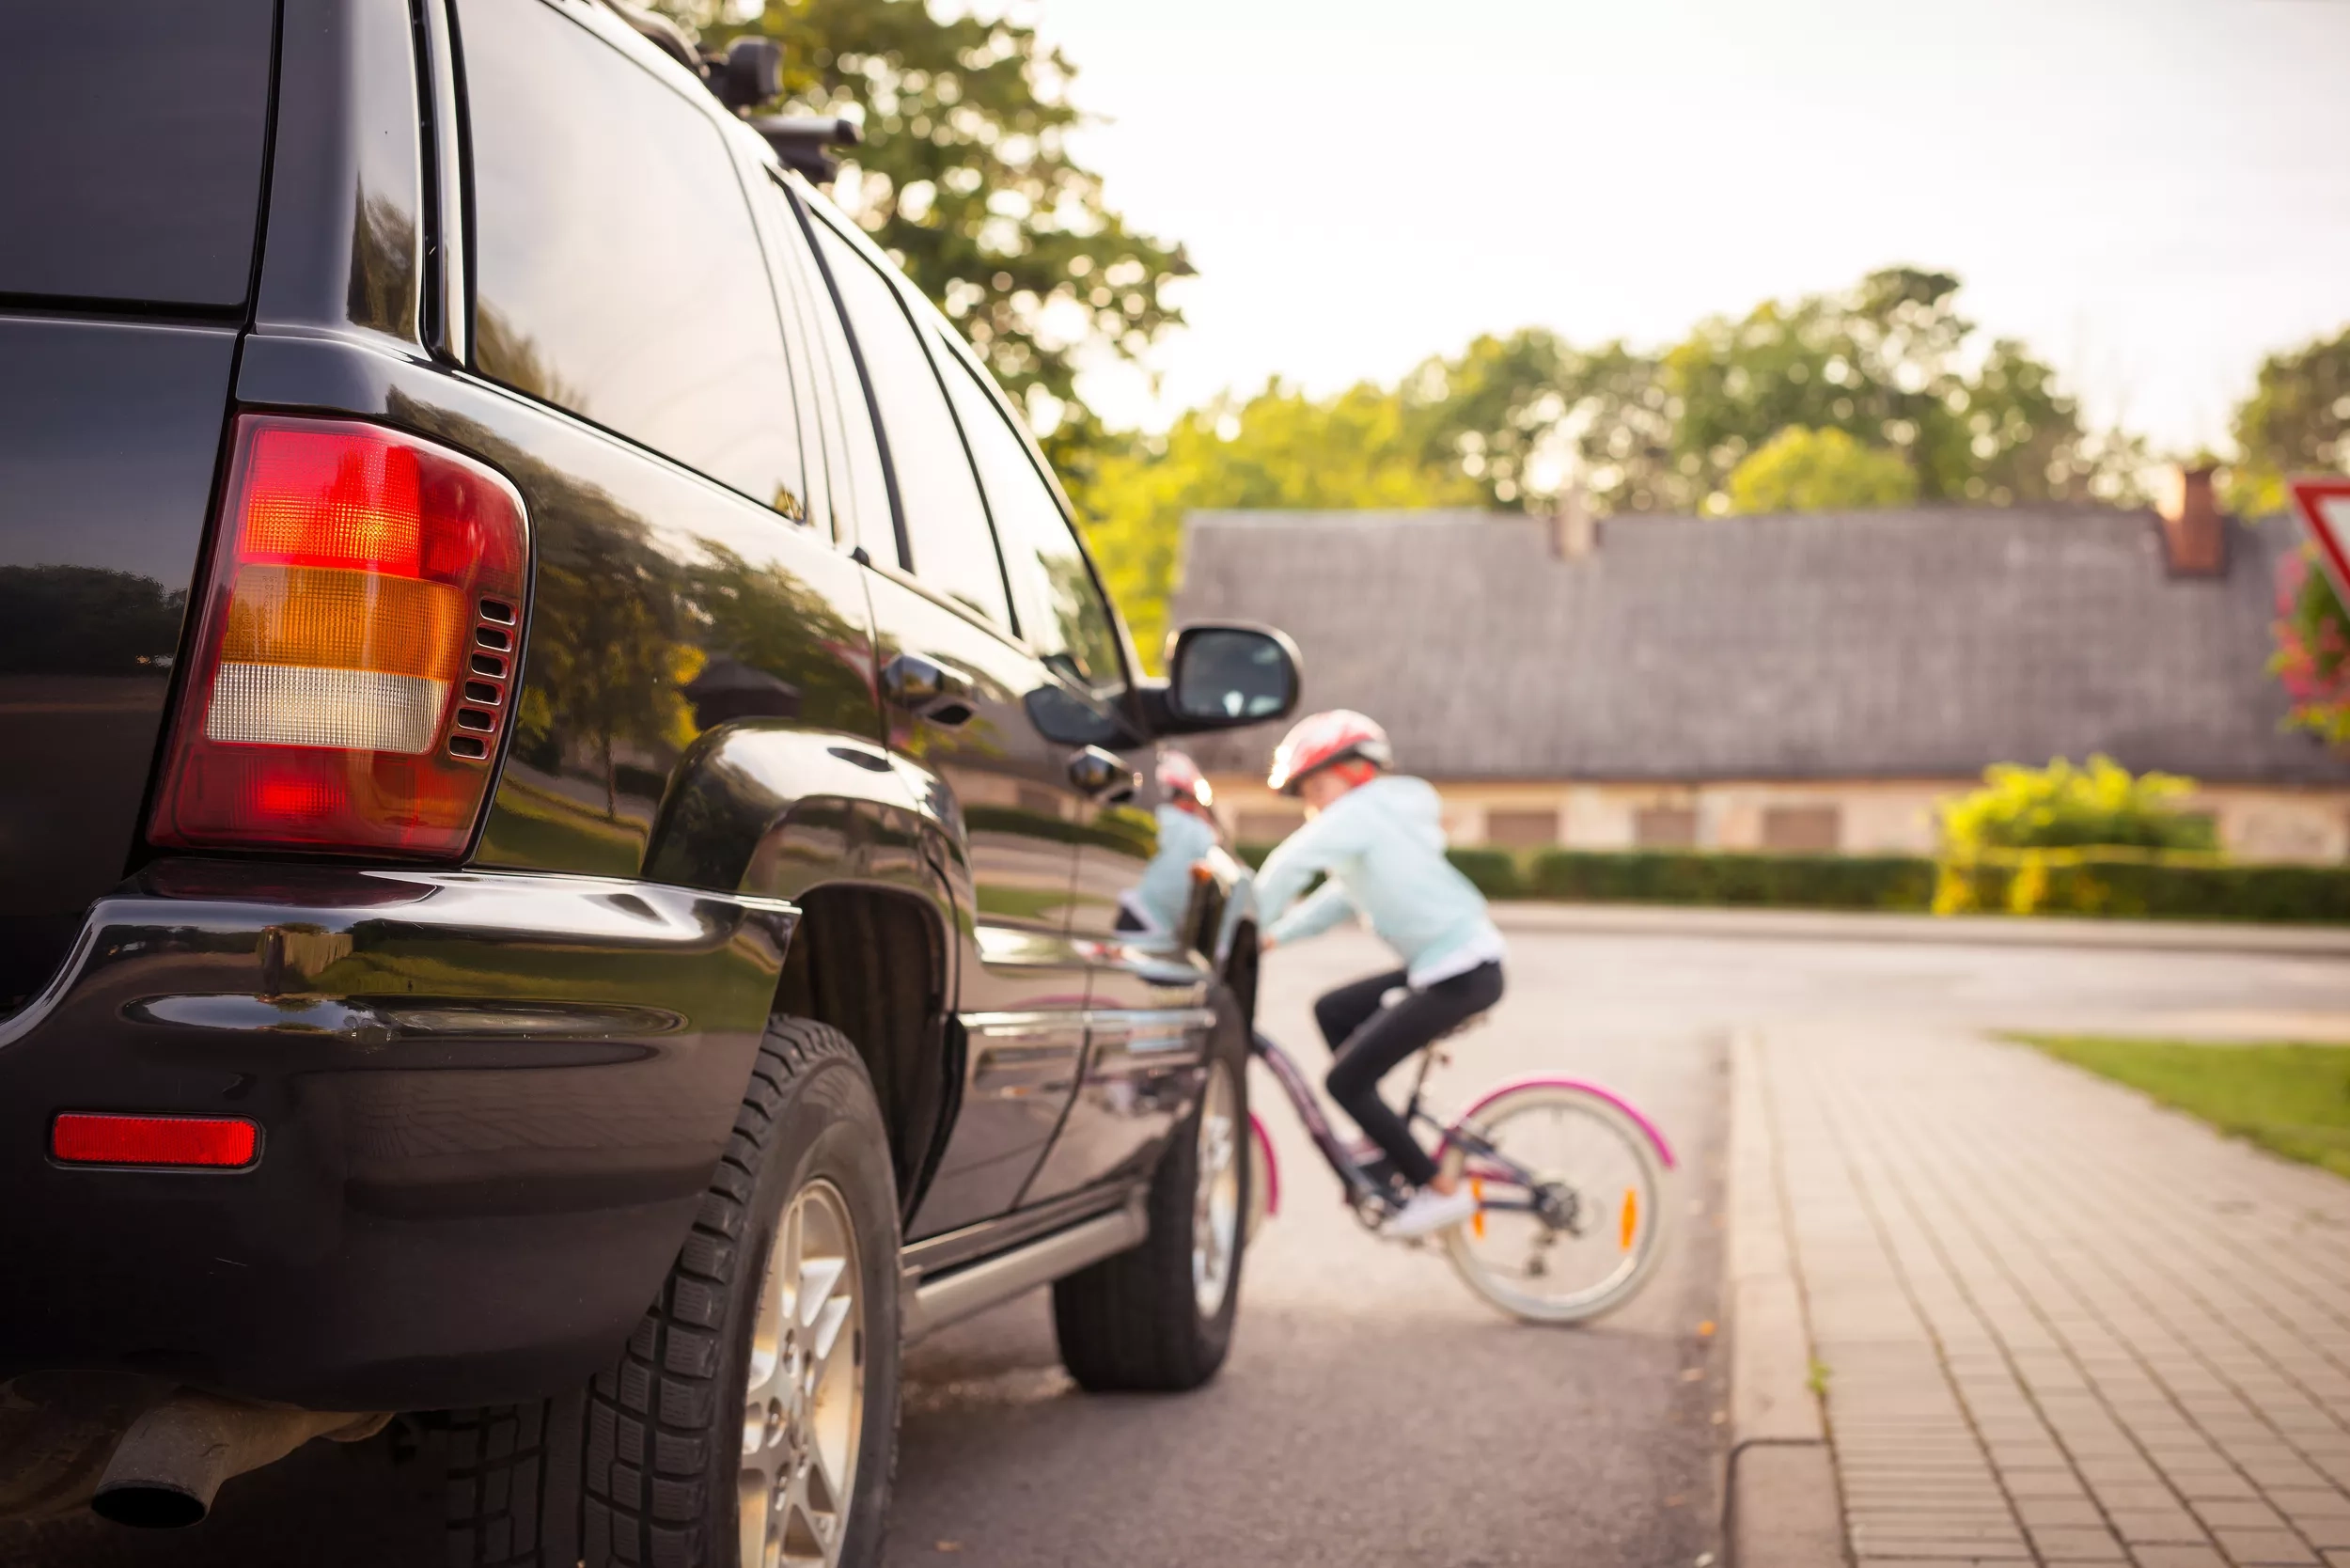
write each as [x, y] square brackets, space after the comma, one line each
[1569, 1203]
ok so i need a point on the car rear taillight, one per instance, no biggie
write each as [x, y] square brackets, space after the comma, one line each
[355, 664]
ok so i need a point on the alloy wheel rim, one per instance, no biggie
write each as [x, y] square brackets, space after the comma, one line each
[1216, 1201]
[804, 1388]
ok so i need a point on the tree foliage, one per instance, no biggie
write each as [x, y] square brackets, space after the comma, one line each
[1279, 449]
[1888, 362]
[1801, 469]
[2297, 420]
[964, 178]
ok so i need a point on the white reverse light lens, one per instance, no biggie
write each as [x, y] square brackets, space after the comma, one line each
[349, 710]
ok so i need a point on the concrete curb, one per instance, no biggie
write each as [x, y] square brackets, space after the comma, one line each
[1987, 931]
[1781, 1503]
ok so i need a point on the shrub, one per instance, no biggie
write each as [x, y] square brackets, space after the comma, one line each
[2143, 887]
[2063, 807]
[2312, 657]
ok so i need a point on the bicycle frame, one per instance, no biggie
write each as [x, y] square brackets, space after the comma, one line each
[1494, 1166]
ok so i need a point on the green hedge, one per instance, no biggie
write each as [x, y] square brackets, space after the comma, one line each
[1777, 880]
[1675, 876]
[2149, 889]
[2082, 883]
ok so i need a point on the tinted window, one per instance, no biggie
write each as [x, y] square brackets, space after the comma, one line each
[1061, 613]
[134, 139]
[946, 525]
[617, 270]
[820, 439]
[852, 452]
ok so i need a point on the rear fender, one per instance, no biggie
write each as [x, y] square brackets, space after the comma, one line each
[1640, 1118]
[1264, 1188]
[773, 811]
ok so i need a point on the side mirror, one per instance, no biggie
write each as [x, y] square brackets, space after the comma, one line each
[1224, 677]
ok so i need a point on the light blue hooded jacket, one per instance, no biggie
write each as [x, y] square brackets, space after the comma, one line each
[1381, 848]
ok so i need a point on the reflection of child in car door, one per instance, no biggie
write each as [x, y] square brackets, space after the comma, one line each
[1186, 832]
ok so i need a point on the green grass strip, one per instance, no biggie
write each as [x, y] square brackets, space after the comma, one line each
[2291, 1100]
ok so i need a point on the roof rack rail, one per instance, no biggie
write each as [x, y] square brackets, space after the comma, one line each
[800, 142]
[749, 73]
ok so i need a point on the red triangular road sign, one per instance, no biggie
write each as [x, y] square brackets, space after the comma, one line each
[2324, 506]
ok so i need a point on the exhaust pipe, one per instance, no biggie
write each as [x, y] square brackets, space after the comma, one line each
[171, 1463]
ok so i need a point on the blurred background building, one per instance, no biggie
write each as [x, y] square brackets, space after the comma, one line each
[1794, 682]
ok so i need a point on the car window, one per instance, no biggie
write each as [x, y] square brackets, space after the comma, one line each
[1062, 611]
[945, 523]
[136, 145]
[811, 389]
[852, 452]
[615, 268]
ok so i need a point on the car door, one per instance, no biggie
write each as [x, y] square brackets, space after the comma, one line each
[1147, 990]
[673, 621]
[959, 687]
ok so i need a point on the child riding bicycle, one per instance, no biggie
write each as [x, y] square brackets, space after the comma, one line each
[1376, 839]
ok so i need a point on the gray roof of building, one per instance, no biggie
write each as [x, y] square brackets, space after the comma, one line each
[1928, 642]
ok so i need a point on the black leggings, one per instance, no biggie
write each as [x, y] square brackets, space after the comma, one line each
[1370, 1041]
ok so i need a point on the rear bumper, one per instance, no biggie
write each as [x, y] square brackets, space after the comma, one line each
[489, 1104]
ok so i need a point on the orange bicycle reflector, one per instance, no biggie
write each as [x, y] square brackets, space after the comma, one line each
[1630, 1225]
[215, 1142]
[355, 663]
[1476, 1220]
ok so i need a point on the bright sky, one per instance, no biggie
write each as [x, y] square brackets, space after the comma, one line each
[2151, 193]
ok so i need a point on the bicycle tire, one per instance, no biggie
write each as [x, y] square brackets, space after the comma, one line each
[1644, 1236]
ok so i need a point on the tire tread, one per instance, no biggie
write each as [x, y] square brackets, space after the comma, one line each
[641, 1504]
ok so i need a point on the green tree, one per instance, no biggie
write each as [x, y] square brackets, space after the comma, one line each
[2297, 420]
[1887, 362]
[1279, 449]
[1808, 470]
[966, 179]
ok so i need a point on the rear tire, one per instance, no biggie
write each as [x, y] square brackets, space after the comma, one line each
[1159, 1319]
[1540, 1274]
[647, 1466]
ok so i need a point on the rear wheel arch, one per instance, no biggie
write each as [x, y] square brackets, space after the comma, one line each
[873, 962]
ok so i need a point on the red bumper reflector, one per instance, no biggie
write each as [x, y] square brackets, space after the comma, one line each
[217, 1141]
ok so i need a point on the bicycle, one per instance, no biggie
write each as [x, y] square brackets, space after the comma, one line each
[1567, 1227]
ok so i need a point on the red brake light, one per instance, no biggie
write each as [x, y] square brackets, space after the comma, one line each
[333, 704]
[217, 1141]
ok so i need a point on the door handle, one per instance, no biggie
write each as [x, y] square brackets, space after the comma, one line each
[937, 692]
[1099, 773]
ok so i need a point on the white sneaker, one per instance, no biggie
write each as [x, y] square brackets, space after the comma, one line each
[1429, 1210]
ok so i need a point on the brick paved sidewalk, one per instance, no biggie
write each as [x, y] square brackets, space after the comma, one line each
[2057, 1323]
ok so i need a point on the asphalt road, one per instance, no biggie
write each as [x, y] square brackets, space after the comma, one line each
[1373, 1412]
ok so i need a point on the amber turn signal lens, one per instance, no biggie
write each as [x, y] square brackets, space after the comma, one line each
[357, 569]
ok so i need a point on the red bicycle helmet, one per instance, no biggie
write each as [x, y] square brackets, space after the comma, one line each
[1180, 777]
[1324, 740]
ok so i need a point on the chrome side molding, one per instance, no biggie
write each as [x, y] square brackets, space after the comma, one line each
[932, 1303]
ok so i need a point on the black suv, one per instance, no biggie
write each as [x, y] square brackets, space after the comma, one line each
[573, 816]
